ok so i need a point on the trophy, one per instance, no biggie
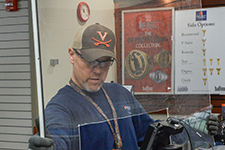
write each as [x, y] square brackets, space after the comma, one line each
[204, 80]
[203, 50]
[204, 60]
[218, 70]
[211, 61]
[218, 61]
[211, 71]
[204, 70]
[203, 32]
[203, 40]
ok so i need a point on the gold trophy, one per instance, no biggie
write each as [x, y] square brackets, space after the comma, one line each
[203, 32]
[211, 61]
[204, 60]
[218, 70]
[203, 50]
[204, 80]
[218, 61]
[203, 40]
[204, 70]
[211, 71]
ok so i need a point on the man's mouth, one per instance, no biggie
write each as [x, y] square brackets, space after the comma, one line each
[94, 79]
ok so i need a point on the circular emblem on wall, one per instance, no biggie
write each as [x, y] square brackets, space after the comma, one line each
[138, 64]
[163, 59]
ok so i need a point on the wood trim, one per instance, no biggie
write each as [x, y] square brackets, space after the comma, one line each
[212, 3]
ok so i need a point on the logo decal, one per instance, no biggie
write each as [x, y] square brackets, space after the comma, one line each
[100, 34]
[102, 38]
[201, 15]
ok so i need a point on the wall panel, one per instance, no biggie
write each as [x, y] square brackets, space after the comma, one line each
[15, 77]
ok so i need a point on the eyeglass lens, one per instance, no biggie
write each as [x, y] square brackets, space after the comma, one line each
[103, 64]
[94, 64]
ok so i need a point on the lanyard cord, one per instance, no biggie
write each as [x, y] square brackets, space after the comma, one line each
[116, 132]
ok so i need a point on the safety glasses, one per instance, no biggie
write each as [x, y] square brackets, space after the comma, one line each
[103, 64]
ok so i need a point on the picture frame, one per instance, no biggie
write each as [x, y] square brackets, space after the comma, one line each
[147, 50]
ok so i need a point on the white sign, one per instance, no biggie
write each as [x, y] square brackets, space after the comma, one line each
[200, 51]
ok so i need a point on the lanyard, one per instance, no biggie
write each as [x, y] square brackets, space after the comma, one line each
[116, 132]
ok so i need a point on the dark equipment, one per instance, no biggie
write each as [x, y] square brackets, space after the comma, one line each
[158, 135]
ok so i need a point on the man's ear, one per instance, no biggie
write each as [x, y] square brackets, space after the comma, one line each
[71, 54]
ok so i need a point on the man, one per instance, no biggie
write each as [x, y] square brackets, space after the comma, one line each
[87, 113]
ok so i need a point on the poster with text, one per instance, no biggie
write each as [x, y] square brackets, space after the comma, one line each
[147, 50]
[199, 51]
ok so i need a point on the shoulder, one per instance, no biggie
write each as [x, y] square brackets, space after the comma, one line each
[64, 104]
[65, 97]
[63, 92]
[116, 87]
[117, 91]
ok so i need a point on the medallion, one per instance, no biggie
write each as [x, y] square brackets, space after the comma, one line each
[158, 76]
[163, 59]
[138, 64]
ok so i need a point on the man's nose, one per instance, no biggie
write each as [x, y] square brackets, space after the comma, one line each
[97, 69]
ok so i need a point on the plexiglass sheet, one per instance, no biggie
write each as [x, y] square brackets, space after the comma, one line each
[114, 117]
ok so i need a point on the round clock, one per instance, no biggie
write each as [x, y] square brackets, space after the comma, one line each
[83, 11]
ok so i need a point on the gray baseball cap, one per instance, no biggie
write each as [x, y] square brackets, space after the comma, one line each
[95, 41]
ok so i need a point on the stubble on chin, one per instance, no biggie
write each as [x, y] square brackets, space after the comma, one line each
[92, 88]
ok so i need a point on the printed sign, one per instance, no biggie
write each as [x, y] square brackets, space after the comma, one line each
[147, 50]
[199, 53]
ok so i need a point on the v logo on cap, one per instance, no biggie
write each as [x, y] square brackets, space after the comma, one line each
[100, 34]
[102, 38]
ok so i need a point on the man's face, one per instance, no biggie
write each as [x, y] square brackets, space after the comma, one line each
[85, 76]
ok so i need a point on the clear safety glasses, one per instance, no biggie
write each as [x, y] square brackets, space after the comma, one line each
[95, 63]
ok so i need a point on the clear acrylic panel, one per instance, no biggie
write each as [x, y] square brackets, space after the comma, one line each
[72, 120]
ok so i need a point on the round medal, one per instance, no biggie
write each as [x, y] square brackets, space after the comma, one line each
[163, 59]
[138, 64]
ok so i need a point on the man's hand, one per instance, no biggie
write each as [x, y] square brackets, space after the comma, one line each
[212, 124]
[38, 143]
